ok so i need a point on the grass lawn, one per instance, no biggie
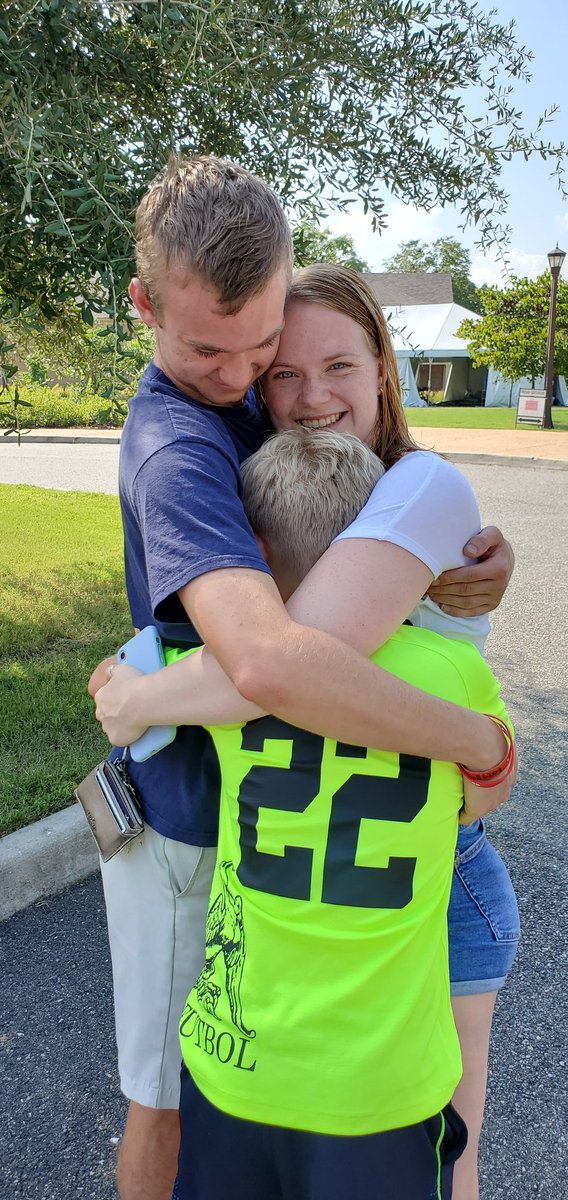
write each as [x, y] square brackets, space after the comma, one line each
[63, 608]
[476, 418]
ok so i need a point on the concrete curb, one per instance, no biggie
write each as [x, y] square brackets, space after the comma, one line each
[44, 858]
[505, 460]
[65, 439]
[112, 438]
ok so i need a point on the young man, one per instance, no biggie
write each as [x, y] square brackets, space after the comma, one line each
[214, 258]
[320, 1049]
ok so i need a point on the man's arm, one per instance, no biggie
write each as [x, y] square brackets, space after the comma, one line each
[313, 680]
[472, 591]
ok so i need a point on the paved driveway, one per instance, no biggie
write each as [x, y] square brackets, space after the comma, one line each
[59, 1106]
[82, 468]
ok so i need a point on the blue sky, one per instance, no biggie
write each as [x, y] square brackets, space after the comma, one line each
[537, 213]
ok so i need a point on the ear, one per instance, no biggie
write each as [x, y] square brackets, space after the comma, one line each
[263, 546]
[141, 302]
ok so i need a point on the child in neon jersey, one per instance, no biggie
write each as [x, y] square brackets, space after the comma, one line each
[323, 1008]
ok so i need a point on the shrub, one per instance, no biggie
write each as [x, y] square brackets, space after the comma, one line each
[57, 408]
[432, 397]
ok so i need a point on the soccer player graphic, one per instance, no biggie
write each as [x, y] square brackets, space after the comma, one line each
[224, 935]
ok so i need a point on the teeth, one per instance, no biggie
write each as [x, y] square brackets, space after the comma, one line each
[319, 422]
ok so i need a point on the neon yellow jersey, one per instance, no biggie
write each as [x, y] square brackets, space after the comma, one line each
[324, 1001]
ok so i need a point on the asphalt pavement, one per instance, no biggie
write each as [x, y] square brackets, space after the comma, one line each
[61, 1112]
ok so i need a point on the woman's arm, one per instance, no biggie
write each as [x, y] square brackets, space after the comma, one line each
[361, 591]
[413, 528]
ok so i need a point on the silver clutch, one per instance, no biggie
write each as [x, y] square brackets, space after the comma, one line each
[112, 807]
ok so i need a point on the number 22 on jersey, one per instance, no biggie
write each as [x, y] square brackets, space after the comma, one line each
[360, 796]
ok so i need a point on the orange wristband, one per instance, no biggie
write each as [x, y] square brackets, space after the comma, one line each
[495, 775]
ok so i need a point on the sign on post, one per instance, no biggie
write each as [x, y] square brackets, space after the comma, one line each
[530, 408]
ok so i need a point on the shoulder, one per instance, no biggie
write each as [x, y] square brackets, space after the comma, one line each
[447, 667]
[167, 431]
[424, 505]
[420, 479]
[422, 469]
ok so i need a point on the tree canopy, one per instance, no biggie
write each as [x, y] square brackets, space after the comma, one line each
[326, 99]
[512, 335]
[445, 254]
[313, 245]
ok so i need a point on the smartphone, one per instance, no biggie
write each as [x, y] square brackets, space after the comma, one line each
[145, 651]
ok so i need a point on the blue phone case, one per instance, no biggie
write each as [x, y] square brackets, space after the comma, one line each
[145, 651]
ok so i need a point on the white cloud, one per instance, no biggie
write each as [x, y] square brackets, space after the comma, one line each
[495, 270]
[404, 223]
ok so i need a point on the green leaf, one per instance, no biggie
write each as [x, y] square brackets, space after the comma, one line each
[57, 228]
[86, 206]
[27, 198]
[77, 191]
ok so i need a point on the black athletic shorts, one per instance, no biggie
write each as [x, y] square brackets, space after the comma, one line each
[225, 1158]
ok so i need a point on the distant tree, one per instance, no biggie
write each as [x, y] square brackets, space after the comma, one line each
[67, 348]
[512, 334]
[312, 245]
[445, 254]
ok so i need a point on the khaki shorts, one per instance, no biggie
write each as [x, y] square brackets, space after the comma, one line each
[157, 895]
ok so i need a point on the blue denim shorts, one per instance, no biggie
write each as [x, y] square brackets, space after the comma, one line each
[483, 917]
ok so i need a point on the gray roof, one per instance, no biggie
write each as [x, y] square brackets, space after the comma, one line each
[411, 287]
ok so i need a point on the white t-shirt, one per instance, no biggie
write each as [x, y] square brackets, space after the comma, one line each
[425, 505]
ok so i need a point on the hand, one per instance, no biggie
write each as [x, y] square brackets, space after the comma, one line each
[472, 591]
[115, 706]
[478, 802]
[101, 675]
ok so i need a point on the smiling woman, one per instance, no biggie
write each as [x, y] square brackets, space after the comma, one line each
[334, 379]
[336, 365]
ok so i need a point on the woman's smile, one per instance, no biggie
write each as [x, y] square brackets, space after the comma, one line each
[325, 373]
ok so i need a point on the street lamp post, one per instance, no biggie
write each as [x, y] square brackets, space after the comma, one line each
[555, 260]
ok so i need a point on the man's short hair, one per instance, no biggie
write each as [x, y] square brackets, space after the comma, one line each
[301, 489]
[211, 217]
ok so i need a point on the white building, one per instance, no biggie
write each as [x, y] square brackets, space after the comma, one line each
[424, 320]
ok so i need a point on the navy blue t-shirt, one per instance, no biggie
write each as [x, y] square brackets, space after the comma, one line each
[181, 499]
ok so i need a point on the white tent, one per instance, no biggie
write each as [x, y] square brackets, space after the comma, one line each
[504, 393]
[429, 330]
[411, 397]
[428, 333]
